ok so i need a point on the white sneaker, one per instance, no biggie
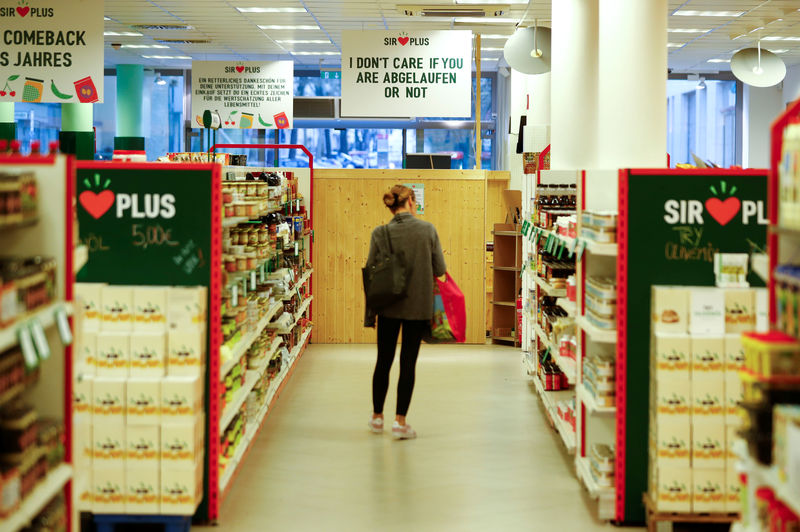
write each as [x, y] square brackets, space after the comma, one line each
[403, 432]
[376, 425]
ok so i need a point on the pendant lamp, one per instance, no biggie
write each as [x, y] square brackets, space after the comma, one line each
[757, 67]
[528, 50]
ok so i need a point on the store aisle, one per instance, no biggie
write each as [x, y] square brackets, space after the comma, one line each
[485, 459]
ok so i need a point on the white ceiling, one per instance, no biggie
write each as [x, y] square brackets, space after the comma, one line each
[232, 34]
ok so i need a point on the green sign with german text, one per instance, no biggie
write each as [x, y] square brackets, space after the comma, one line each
[145, 227]
[675, 221]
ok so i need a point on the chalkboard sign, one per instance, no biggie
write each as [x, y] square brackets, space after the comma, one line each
[671, 224]
[146, 224]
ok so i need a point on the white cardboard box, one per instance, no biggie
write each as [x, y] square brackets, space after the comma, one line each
[181, 489]
[108, 400]
[108, 489]
[182, 443]
[707, 311]
[90, 294]
[186, 353]
[708, 490]
[113, 354]
[117, 309]
[142, 445]
[108, 448]
[150, 309]
[181, 398]
[148, 354]
[143, 406]
[143, 490]
[86, 350]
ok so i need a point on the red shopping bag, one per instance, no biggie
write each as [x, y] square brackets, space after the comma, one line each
[449, 322]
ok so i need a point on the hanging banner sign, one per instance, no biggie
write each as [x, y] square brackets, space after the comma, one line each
[417, 74]
[246, 94]
[51, 51]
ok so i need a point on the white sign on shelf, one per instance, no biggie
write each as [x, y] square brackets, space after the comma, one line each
[417, 74]
[246, 94]
[51, 51]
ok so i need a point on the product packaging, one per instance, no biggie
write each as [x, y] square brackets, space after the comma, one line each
[182, 443]
[734, 394]
[143, 406]
[707, 356]
[82, 386]
[90, 296]
[149, 309]
[708, 444]
[148, 354]
[708, 398]
[86, 351]
[733, 488]
[181, 398]
[740, 311]
[731, 269]
[673, 490]
[785, 429]
[117, 309]
[673, 356]
[670, 310]
[113, 354]
[186, 309]
[673, 399]
[143, 490]
[734, 354]
[707, 311]
[673, 442]
[708, 490]
[108, 489]
[108, 403]
[761, 297]
[181, 489]
[108, 449]
[142, 445]
[186, 352]
[83, 442]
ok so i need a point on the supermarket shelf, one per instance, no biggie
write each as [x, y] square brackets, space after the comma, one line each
[35, 502]
[303, 280]
[564, 430]
[244, 344]
[569, 306]
[303, 308]
[234, 221]
[504, 338]
[45, 315]
[591, 403]
[566, 365]
[549, 289]
[251, 434]
[567, 240]
[80, 257]
[595, 490]
[767, 475]
[596, 248]
[506, 269]
[505, 303]
[597, 334]
[232, 408]
[11, 393]
[786, 231]
[507, 233]
[530, 368]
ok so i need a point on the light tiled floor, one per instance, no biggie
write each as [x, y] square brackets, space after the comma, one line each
[486, 458]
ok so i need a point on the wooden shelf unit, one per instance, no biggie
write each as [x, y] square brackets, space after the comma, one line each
[506, 282]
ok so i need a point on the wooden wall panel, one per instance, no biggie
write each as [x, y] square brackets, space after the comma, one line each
[348, 205]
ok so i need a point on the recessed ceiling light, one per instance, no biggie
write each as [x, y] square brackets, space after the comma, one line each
[271, 9]
[314, 53]
[674, 44]
[144, 46]
[106, 18]
[693, 13]
[774, 21]
[777, 38]
[122, 34]
[288, 27]
[719, 60]
[485, 20]
[779, 51]
[687, 30]
[491, 49]
[166, 57]
[756, 29]
[489, 2]
[303, 41]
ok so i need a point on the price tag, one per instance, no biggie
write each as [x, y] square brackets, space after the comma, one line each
[63, 326]
[296, 249]
[561, 250]
[546, 355]
[253, 280]
[244, 288]
[235, 295]
[572, 247]
[524, 229]
[40, 340]
[548, 242]
[28, 351]
[581, 247]
[263, 269]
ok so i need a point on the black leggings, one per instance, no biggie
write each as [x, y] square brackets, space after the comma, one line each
[388, 330]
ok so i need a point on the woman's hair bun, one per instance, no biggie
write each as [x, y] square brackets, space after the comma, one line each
[397, 197]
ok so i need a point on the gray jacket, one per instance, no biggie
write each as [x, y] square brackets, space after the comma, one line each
[419, 241]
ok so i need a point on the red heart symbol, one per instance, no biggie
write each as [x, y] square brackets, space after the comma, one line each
[403, 41]
[23, 10]
[723, 211]
[239, 69]
[96, 204]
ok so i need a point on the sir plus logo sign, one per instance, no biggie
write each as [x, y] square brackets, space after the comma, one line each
[404, 40]
[98, 199]
[23, 10]
[723, 206]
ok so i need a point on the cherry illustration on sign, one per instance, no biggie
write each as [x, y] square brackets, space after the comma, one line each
[723, 211]
[97, 204]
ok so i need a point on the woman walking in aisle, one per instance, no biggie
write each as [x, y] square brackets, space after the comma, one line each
[419, 243]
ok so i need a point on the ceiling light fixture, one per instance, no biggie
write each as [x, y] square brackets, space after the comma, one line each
[487, 20]
[756, 29]
[702, 85]
[674, 44]
[144, 46]
[528, 50]
[779, 51]
[489, 2]
[303, 41]
[159, 80]
[166, 57]
[694, 13]
[491, 49]
[719, 61]
[778, 38]
[688, 30]
[163, 27]
[288, 27]
[271, 9]
[121, 34]
[758, 67]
